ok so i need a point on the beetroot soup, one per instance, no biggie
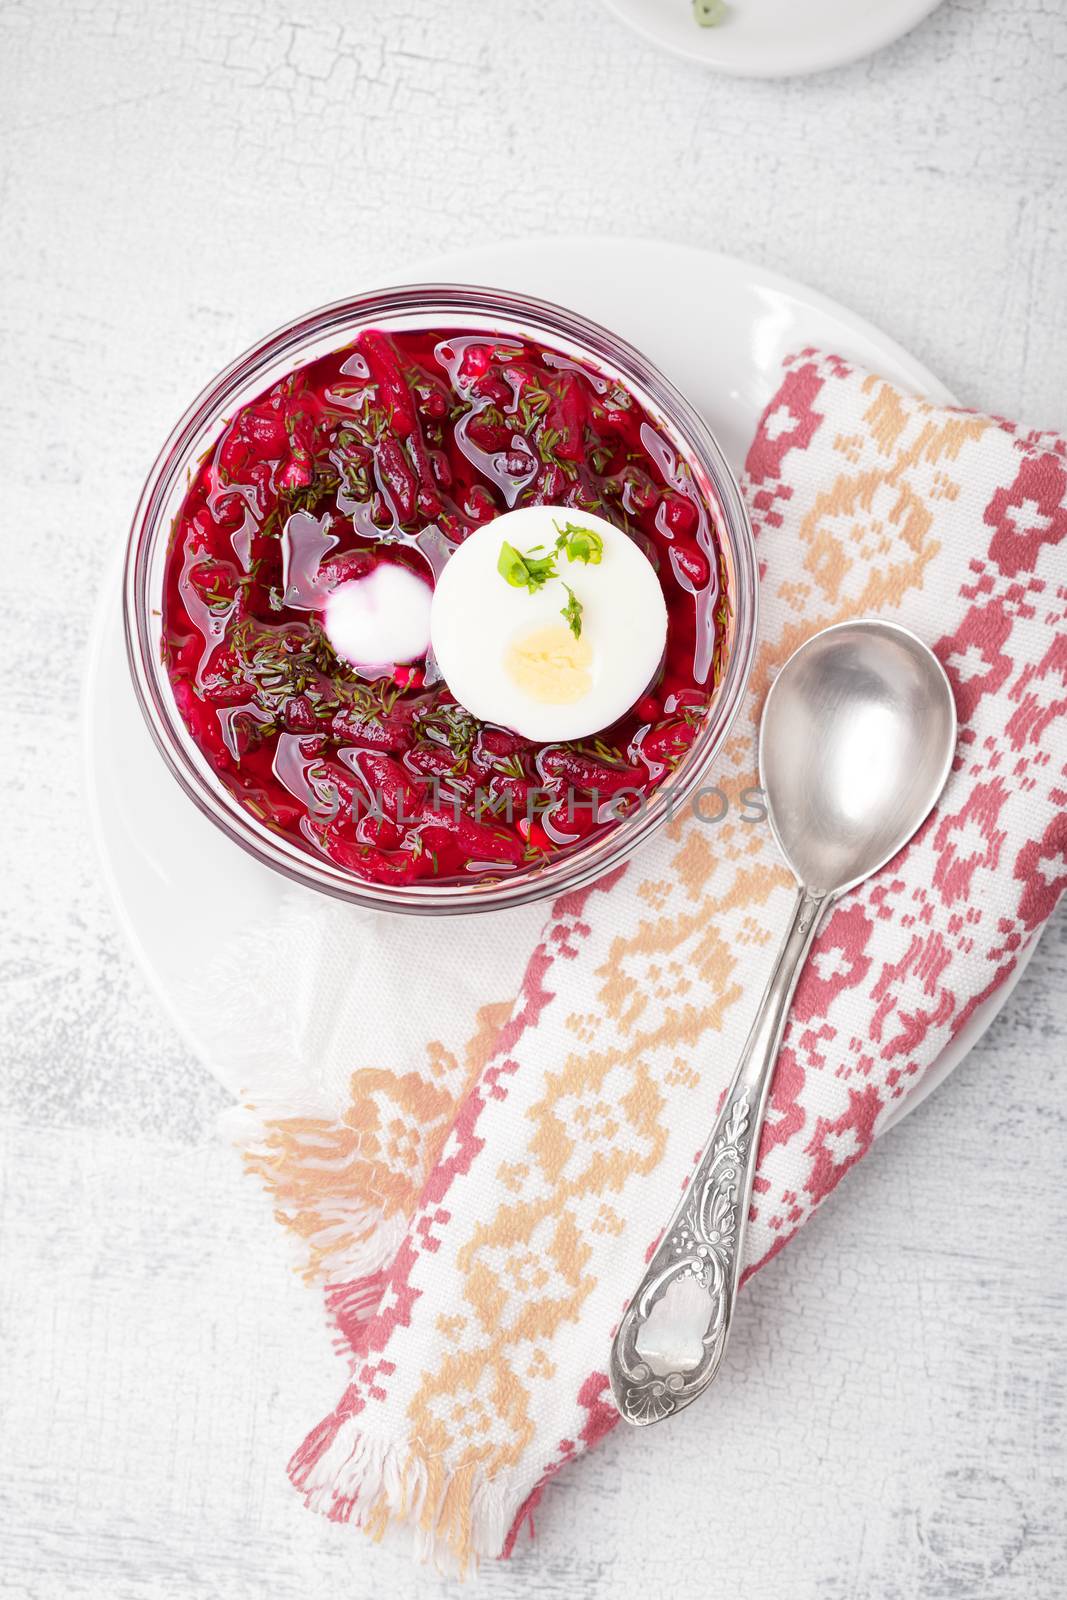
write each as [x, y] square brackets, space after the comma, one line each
[377, 462]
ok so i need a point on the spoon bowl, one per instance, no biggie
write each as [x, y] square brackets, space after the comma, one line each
[856, 741]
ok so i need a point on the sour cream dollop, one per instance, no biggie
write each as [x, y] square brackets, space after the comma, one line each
[379, 621]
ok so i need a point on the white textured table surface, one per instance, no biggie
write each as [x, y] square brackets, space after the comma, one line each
[176, 178]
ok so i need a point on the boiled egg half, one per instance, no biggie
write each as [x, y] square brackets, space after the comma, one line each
[548, 621]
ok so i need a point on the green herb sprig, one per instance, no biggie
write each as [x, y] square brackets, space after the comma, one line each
[529, 571]
[533, 571]
[580, 544]
[572, 612]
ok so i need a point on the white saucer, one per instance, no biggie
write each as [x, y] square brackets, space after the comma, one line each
[774, 38]
[718, 327]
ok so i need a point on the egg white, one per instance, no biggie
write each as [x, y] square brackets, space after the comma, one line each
[476, 617]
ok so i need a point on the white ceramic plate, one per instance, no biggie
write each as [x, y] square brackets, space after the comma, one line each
[718, 327]
[774, 38]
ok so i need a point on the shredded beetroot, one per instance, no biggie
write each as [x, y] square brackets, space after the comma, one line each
[394, 449]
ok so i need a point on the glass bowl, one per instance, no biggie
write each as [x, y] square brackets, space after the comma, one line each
[494, 312]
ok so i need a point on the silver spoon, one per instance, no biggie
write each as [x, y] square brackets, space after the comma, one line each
[857, 739]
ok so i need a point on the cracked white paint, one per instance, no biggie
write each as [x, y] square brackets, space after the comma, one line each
[176, 178]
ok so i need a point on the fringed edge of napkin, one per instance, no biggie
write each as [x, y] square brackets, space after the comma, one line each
[309, 1167]
[343, 1208]
[455, 1517]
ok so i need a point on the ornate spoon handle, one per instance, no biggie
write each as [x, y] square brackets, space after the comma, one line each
[674, 1332]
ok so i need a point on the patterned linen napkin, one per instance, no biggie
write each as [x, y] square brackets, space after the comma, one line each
[477, 1130]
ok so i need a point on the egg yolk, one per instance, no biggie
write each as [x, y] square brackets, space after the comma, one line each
[551, 665]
